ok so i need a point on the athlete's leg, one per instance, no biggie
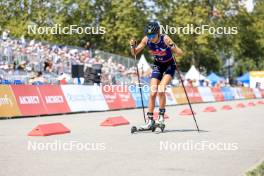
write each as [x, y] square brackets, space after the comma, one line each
[162, 88]
[155, 80]
[156, 76]
[153, 93]
[162, 97]
[166, 79]
[168, 76]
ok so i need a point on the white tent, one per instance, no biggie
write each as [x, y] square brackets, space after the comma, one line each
[194, 74]
[143, 66]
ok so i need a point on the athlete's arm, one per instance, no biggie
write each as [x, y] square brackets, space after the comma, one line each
[140, 47]
[174, 48]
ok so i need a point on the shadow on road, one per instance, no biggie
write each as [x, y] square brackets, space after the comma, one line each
[183, 130]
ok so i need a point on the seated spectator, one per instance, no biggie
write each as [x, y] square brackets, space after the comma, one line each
[22, 65]
[48, 65]
[38, 79]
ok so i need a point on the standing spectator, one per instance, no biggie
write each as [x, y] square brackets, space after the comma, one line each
[5, 35]
[23, 41]
[88, 48]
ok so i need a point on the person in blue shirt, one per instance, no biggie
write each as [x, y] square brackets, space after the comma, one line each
[161, 47]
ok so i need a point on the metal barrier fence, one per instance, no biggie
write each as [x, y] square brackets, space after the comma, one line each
[35, 61]
[126, 61]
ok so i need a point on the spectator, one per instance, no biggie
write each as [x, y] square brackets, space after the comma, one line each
[5, 35]
[39, 79]
[22, 65]
[21, 55]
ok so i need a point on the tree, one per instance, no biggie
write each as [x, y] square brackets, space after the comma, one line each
[250, 51]
[123, 20]
[200, 49]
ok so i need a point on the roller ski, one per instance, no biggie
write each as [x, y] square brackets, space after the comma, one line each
[160, 121]
[150, 125]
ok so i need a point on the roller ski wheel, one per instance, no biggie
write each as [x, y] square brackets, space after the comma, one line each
[160, 126]
[135, 129]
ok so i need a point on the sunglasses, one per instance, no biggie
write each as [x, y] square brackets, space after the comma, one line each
[151, 36]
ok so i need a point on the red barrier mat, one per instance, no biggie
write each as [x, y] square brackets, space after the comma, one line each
[209, 109]
[240, 105]
[260, 102]
[49, 129]
[187, 112]
[251, 104]
[226, 107]
[115, 121]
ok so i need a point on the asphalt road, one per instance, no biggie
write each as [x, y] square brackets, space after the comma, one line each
[230, 143]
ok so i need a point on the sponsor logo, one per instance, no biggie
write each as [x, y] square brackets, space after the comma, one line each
[5, 101]
[111, 97]
[29, 100]
[54, 99]
[75, 97]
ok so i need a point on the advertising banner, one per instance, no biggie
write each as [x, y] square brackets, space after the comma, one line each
[179, 95]
[29, 100]
[53, 99]
[76, 97]
[228, 95]
[248, 93]
[218, 95]
[257, 93]
[170, 100]
[194, 95]
[134, 90]
[95, 98]
[251, 93]
[262, 92]
[8, 104]
[237, 93]
[118, 97]
[206, 94]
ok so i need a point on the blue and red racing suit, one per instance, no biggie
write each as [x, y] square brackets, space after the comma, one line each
[163, 58]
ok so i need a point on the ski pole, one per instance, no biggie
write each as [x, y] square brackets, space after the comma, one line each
[141, 96]
[178, 71]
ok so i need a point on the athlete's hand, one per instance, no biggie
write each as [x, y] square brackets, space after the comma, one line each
[133, 42]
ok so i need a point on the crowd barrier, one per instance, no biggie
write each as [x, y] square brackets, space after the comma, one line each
[31, 100]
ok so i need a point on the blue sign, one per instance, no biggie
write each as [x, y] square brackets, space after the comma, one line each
[227, 92]
[135, 91]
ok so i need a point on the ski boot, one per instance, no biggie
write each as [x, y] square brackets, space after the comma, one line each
[160, 121]
[150, 124]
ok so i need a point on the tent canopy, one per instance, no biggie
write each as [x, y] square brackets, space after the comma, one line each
[244, 78]
[143, 64]
[193, 74]
[214, 78]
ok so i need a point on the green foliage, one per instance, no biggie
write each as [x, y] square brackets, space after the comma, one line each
[124, 19]
[258, 171]
[249, 52]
